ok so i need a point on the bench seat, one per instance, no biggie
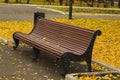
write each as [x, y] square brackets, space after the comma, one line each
[44, 44]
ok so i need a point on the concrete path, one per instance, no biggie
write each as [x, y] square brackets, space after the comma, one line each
[18, 65]
[15, 12]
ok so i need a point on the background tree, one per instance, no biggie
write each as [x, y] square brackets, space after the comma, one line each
[16, 1]
[92, 3]
[6, 1]
[112, 2]
[61, 2]
[66, 3]
[28, 1]
[119, 3]
[89, 3]
[105, 3]
[81, 2]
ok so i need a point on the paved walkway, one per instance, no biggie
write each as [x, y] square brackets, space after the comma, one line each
[14, 12]
[18, 65]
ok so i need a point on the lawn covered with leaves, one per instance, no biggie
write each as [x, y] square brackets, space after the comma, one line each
[84, 10]
[106, 48]
[7, 28]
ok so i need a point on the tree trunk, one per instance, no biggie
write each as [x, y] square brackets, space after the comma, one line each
[6, 1]
[98, 2]
[16, 1]
[119, 4]
[92, 4]
[66, 4]
[28, 1]
[80, 3]
[112, 2]
[61, 2]
[105, 4]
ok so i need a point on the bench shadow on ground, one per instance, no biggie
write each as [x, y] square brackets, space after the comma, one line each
[51, 65]
[45, 68]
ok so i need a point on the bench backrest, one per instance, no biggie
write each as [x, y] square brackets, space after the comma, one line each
[71, 37]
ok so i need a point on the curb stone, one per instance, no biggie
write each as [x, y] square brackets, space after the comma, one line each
[52, 10]
[107, 66]
[71, 76]
[114, 70]
[5, 41]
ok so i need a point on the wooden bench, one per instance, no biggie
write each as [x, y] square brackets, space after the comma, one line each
[63, 41]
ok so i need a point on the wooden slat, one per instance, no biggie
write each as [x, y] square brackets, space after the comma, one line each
[66, 38]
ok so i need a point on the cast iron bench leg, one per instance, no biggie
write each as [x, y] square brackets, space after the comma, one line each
[65, 58]
[36, 54]
[16, 43]
[89, 64]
